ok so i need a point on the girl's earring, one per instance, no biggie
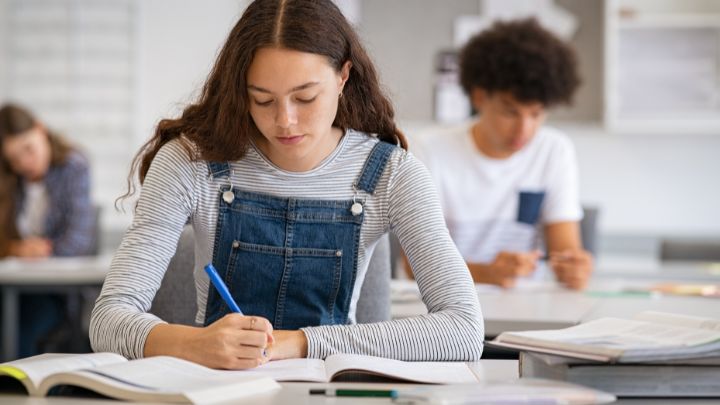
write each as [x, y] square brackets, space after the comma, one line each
[340, 95]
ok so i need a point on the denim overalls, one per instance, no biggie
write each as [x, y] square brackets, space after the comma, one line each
[292, 261]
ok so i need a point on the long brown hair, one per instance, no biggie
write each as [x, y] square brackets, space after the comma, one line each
[219, 123]
[15, 120]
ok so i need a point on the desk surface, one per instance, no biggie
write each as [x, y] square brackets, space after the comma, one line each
[297, 393]
[60, 275]
[53, 271]
[545, 305]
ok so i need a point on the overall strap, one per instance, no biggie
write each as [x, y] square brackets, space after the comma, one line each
[219, 169]
[374, 166]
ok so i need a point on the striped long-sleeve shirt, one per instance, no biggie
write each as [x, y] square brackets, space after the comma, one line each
[178, 188]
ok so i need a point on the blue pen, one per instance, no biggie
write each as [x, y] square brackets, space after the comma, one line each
[222, 288]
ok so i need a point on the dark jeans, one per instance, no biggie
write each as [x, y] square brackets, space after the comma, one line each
[39, 314]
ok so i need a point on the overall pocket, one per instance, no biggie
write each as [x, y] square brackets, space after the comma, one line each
[305, 281]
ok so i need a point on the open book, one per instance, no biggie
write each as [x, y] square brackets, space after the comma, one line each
[154, 379]
[353, 367]
[649, 337]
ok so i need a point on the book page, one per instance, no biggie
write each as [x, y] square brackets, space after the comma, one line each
[679, 320]
[37, 368]
[163, 373]
[622, 334]
[590, 353]
[416, 371]
[288, 370]
[155, 378]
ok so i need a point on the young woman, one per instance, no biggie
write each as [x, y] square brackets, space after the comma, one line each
[289, 171]
[45, 209]
[45, 204]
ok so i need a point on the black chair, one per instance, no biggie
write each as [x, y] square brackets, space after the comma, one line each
[588, 229]
[690, 250]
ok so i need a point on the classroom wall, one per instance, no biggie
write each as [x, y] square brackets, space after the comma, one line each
[179, 40]
[645, 185]
[3, 51]
[650, 185]
[404, 36]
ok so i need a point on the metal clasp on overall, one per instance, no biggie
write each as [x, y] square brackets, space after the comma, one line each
[357, 207]
[229, 195]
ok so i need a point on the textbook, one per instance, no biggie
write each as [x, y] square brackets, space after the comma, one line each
[695, 378]
[650, 337]
[153, 379]
[355, 367]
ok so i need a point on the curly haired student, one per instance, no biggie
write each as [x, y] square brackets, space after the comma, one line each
[289, 168]
[505, 180]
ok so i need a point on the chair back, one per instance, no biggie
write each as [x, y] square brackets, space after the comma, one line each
[588, 229]
[175, 300]
[374, 302]
[690, 250]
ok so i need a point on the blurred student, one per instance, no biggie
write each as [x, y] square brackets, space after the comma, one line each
[505, 180]
[45, 209]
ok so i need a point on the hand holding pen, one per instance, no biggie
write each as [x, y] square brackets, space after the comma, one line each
[235, 341]
[572, 267]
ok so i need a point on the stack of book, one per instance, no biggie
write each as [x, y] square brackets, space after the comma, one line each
[653, 355]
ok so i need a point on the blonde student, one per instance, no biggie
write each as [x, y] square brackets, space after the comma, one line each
[289, 167]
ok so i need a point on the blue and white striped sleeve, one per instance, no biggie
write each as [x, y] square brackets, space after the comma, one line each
[120, 322]
[453, 329]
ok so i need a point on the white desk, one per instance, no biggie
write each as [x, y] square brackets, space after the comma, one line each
[44, 275]
[546, 305]
[297, 393]
[529, 306]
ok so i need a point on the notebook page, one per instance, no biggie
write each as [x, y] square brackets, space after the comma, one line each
[417, 371]
[622, 334]
[163, 379]
[36, 368]
[165, 374]
[679, 320]
[288, 370]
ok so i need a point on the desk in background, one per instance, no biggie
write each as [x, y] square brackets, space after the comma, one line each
[64, 275]
[537, 304]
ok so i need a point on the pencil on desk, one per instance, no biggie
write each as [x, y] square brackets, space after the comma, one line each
[354, 393]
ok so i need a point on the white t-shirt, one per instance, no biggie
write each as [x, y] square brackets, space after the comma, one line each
[491, 205]
[31, 218]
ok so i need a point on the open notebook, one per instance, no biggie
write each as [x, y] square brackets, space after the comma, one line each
[356, 367]
[154, 379]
